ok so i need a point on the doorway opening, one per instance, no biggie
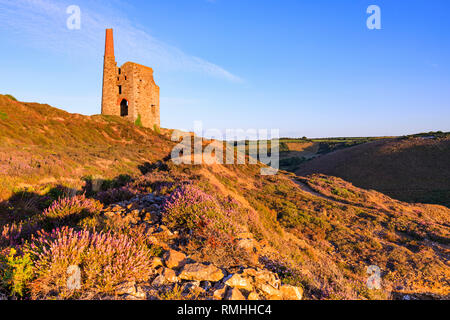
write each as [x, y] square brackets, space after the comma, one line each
[124, 108]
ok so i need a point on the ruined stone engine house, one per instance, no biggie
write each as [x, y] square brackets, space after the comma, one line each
[129, 91]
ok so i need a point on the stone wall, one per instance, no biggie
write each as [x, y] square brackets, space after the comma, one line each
[109, 87]
[141, 92]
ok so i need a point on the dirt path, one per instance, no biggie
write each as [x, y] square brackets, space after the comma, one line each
[303, 186]
[308, 189]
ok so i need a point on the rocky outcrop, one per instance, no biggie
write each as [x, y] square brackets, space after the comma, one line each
[240, 281]
[174, 259]
[130, 291]
[201, 272]
[175, 271]
[254, 284]
[209, 282]
[234, 294]
[262, 284]
[291, 293]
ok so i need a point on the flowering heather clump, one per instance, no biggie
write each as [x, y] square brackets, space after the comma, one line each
[72, 209]
[105, 259]
[186, 206]
[115, 195]
[190, 209]
[13, 235]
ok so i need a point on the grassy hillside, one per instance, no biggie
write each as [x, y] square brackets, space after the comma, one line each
[413, 168]
[295, 152]
[41, 145]
[185, 232]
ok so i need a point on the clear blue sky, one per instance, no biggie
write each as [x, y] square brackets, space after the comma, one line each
[308, 67]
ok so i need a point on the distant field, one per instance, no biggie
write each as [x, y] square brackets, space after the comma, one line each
[412, 168]
[294, 152]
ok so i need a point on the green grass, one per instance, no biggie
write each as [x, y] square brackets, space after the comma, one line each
[138, 121]
[11, 97]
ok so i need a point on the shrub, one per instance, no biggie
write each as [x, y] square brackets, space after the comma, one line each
[15, 273]
[10, 234]
[106, 260]
[341, 192]
[176, 293]
[138, 121]
[71, 210]
[3, 116]
[11, 97]
[13, 234]
[286, 273]
[115, 195]
[207, 220]
[156, 250]
[186, 207]
[157, 129]
[93, 185]
[156, 181]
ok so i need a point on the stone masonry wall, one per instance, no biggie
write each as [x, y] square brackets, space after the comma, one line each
[109, 95]
[141, 92]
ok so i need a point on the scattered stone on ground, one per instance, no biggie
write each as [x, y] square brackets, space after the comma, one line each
[201, 272]
[174, 259]
[194, 279]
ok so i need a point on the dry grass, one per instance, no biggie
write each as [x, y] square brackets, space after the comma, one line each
[41, 145]
[330, 243]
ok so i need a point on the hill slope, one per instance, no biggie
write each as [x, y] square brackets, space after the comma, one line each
[40, 144]
[413, 169]
[181, 232]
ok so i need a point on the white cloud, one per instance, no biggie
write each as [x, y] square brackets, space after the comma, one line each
[42, 23]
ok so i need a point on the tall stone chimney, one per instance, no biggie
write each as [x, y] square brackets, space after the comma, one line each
[109, 91]
[109, 43]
